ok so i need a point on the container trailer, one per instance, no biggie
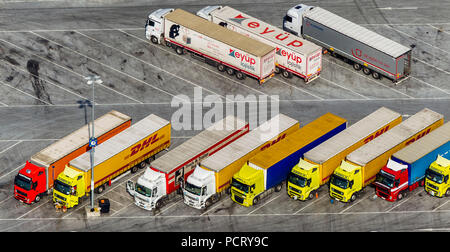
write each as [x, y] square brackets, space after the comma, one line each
[318, 164]
[405, 170]
[216, 45]
[166, 175]
[360, 167]
[212, 177]
[294, 55]
[267, 171]
[131, 149]
[36, 178]
[363, 48]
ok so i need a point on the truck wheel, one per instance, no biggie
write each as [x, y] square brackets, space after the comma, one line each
[255, 200]
[277, 70]
[376, 75]
[400, 196]
[179, 50]
[134, 169]
[230, 71]
[447, 193]
[353, 197]
[142, 165]
[356, 66]
[240, 75]
[158, 204]
[286, 74]
[154, 40]
[38, 198]
[278, 187]
[221, 68]
[367, 71]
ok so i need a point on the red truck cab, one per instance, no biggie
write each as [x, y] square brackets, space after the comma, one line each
[30, 183]
[392, 181]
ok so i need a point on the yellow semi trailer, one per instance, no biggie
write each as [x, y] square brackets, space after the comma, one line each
[130, 149]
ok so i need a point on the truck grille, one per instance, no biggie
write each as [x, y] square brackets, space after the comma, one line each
[21, 193]
[336, 196]
[237, 193]
[337, 191]
[60, 197]
[383, 192]
[238, 199]
[297, 191]
[432, 186]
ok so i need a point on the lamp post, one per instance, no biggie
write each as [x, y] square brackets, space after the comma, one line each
[92, 80]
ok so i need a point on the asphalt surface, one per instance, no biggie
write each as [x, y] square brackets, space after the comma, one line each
[48, 47]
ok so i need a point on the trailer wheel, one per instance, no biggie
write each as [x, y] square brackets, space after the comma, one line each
[142, 165]
[230, 71]
[278, 187]
[367, 71]
[168, 44]
[221, 68]
[179, 50]
[376, 75]
[357, 66]
[100, 189]
[134, 169]
[240, 75]
[154, 40]
[286, 74]
[277, 70]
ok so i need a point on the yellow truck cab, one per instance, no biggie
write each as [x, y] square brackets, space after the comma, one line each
[436, 181]
[69, 188]
[346, 182]
[304, 180]
[247, 184]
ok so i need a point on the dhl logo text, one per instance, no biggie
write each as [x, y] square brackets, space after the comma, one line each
[146, 143]
[273, 142]
[378, 133]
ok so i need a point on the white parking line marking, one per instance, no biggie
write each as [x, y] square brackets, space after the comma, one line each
[25, 93]
[311, 203]
[10, 147]
[15, 169]
[302, 90]
[355, 203]
[158, 68]
[334, 83]
[265, 204]
[402, 202]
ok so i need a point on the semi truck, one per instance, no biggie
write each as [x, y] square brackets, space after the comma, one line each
[267, 171]
[212, 177]
[436, 181]
[166, 175]
[37, 177]
[317, 165]
[227, 50]
[294, 55]
[131, 149]
[363, 48]
[405, 170]
[359, 169]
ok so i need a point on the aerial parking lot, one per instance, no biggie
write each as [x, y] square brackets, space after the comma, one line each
[47, 48]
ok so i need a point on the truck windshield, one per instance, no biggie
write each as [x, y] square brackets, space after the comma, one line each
[62, 187]
[143, 190]
[339, 181]
[193, 189]
[297, 180]
[22, 182]
[434, 176]
[385, 180]
[240, 186]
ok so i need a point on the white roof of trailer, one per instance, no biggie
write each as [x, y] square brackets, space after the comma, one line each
[247, 143]
[197, 144]
[120, 142]
[425, 145]
[394, 137]
[357, 32]
[240, 19]
[351, 135]
[78, 138]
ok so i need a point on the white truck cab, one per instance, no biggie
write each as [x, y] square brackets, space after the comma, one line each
[292, 22]
[205, 12]
[154, 27]
[148, 190]
[199, 187]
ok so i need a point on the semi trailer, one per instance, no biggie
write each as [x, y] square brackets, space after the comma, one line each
[166, 175]
[212, 177]
[216, 45]
[405, 170]
[359, 169]
[318, 164]
[294, 55]
[363, 48]
[131, 149]
[37, 177]
[267, 171]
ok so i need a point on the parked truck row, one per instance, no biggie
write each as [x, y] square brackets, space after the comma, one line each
[257, 49]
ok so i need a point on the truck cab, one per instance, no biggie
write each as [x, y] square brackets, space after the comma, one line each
[292, 21]
[69, 187]
[30, 183]
[246, 185]
[346, 182]
[154, 26]
[205, 12]
[303, 180]
[148, 190]
[436, 180]
[391, 181]
[200, 186]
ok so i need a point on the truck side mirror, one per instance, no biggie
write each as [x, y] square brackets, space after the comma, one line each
[34, 185]
[350, 184]
[445, 179]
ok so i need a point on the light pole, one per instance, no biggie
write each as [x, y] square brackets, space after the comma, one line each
[92, 80]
